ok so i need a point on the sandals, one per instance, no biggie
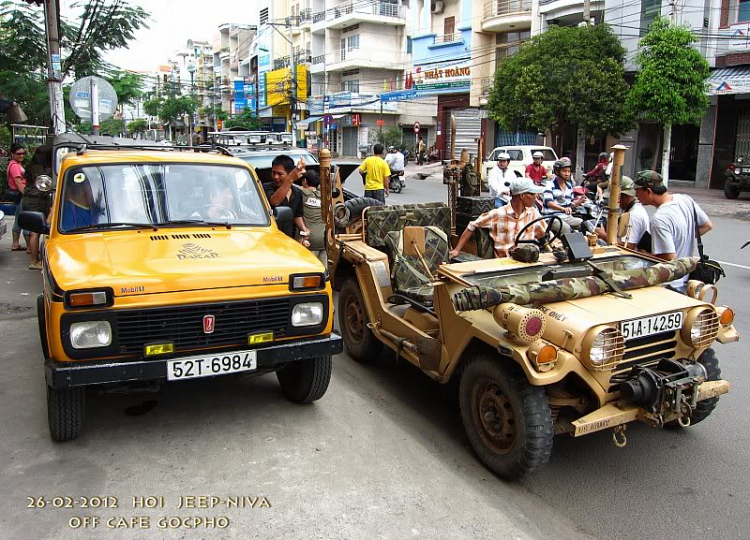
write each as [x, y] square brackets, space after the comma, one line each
[19, 248]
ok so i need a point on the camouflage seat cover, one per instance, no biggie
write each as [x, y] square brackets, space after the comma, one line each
[409, 275]
[385, 219]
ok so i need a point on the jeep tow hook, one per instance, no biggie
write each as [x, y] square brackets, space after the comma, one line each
[618, 436]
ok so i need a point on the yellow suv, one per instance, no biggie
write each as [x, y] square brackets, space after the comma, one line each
[166, 266]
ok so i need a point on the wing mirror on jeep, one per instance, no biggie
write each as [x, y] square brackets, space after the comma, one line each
[33, 221]
[282, 214]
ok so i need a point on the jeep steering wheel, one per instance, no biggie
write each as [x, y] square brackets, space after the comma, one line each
[549, 235]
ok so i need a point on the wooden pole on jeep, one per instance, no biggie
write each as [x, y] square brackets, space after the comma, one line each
[613, 215]
[326, 189]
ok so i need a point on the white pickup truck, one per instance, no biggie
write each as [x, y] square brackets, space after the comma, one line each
[520, 157]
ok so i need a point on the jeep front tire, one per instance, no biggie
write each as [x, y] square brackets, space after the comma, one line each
[361, 343]
[508, 421]
[66, 410]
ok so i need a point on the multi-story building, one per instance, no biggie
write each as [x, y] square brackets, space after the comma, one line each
[231, 45]
[359, 50]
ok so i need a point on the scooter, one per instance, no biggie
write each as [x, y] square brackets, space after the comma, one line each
[397, 182]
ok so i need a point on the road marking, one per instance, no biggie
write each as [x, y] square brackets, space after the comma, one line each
[732, 264]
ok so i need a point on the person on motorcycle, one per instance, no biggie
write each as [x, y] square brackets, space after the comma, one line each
[395, 160]
[498, 178]
[536, 170]
[559, 196]
[597, 179]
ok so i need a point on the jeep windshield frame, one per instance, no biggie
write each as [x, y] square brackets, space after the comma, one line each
[536, 274]
[137, 195]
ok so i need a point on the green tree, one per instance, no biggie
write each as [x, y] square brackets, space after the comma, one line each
[246, 119]
[139, 125]
[104, 25]
[152, 107]
[670, 86]
[565, 76]
[128, 86]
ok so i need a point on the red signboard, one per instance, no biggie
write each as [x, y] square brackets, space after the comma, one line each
[355, 119]
[380, 123]
[416, 127]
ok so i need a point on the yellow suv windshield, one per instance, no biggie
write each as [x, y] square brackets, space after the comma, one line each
[135, 195]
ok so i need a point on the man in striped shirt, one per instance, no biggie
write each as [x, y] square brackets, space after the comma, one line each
[506, 222]
[558, 197]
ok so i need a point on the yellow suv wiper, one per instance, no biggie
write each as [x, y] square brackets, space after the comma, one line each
[96, 226]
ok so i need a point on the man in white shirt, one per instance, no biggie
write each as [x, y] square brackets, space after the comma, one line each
[395, 160]
[674, 223]
[498, 178]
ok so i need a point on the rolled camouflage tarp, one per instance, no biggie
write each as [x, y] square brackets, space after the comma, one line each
[484, 296]
[344, 214]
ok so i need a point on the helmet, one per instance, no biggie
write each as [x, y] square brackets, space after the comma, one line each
[561, 164]
[537, 154]
[503, 156]
[391, 148]
[604, 155]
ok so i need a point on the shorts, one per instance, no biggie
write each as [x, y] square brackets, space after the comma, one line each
[377, 194]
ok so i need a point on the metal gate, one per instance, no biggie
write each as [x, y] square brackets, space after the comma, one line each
[350, 141]
[742, 147]
[468, 130]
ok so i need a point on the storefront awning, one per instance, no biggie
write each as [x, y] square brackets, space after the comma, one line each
[307, 121]
[730, 80]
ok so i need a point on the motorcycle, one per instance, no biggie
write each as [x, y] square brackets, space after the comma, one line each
[397, 182]
[591, 211]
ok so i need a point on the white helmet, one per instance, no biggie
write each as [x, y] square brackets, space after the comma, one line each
[503, 156]
[538, 154]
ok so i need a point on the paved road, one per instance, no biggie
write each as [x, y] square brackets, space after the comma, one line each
[383, 455]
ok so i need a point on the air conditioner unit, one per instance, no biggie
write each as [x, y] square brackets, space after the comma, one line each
[436, 7]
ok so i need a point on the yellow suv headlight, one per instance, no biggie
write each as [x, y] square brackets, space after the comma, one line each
[88, 335]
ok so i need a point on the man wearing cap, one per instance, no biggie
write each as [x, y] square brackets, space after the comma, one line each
[395, 160]
[633, 229]
[536, 170]
[498, 178]
[505, 223]
[674, 223]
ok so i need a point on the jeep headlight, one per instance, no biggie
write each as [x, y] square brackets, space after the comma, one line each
[43, 183]
[602, 347]
[89, 335]
[701, 327]
[307, 314]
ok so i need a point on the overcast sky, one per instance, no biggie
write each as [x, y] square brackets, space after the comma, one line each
[172, 23]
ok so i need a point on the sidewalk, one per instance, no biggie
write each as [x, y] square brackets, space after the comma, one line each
[714, 203]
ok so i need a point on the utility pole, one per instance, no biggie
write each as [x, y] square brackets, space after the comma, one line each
[293, 96]
[54, 68]
[587, 12]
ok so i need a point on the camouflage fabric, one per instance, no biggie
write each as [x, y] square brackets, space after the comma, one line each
[484, 296]
[382, 220]
[527, 253]
[485, 245]
[409, 275]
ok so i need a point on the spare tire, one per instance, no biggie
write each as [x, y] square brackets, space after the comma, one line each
[352, 210]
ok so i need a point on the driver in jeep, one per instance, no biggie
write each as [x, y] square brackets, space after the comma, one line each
[505, 223]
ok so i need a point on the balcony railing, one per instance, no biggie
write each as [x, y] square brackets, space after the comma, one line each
[383, 9]
[448, 38]
[305, 16]
[501, 8]
[318, 59]
[320, 16]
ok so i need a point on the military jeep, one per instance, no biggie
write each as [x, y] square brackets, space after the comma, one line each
[737, 178]
[540, 348]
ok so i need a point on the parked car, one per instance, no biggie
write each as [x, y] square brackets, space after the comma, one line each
[520, 157]
[166, 265]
